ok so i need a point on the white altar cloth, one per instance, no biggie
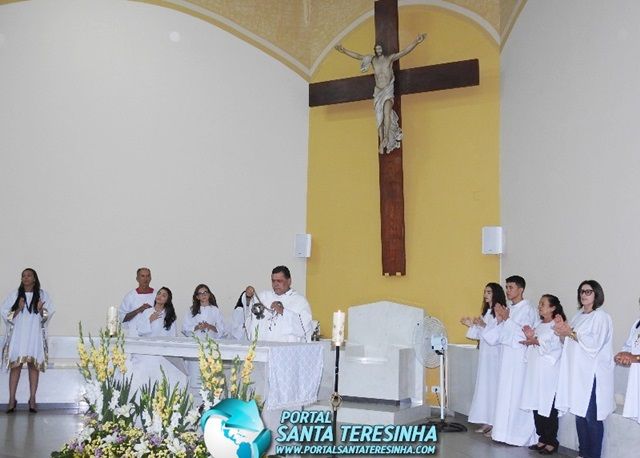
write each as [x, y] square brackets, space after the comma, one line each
[293, 370]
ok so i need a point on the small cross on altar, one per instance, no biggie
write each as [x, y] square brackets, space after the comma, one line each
[409, 81]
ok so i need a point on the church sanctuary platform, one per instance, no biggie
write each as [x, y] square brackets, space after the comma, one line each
[621, 435]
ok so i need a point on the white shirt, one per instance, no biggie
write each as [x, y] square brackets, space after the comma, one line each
[132, 301]
[543, 369]
[632, 397]
[294, 325]
[209, 314]
[140, 326]
[485, 394]
[582, 361]
[511, 424]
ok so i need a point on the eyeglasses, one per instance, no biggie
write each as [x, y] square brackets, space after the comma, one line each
[200, 293]
[586, 292]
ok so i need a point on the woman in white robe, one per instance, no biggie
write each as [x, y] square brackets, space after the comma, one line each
[204, 318]
[485, 394]
[630, 357]
[585, 386]
[26, 313]
[157, 321]
[544, 349]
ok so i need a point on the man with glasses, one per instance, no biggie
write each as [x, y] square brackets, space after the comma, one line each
[286, 315]
[137, 300]
[511, 424]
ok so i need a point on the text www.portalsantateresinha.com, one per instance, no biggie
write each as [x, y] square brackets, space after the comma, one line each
[356, 449]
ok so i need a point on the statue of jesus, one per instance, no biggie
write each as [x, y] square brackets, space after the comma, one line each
[389, 132]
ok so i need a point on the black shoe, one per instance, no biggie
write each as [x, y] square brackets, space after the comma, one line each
[32, 408]
[12, 409]
[546, 451]
[536, 447]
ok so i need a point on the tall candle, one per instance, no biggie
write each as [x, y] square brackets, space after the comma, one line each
[337, 333]
[112, 320]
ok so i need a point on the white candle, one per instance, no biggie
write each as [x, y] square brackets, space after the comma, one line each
[337, 333]
[112, 320]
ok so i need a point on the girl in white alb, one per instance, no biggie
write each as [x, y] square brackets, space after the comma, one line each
[204, 318]
[486, 390]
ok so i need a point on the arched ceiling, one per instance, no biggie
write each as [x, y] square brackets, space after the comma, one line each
[300, 33]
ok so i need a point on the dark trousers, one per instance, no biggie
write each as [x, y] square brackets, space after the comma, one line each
[590, 430]
[547, 427]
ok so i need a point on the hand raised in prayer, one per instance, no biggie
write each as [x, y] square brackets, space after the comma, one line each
[562, 329]
[154, 316]
[528, 331]
[277, 307]
[21, 304]
[467, 321]
[478, 321]
[40, 306]
[624, 358]
[502, 313]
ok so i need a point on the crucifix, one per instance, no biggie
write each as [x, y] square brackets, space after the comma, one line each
[409, 81]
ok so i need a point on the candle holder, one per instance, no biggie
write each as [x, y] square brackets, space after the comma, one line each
[335, 400]
[337, 337]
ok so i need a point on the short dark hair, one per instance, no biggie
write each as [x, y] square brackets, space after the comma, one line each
[518, 280]
[281, 270]
[597, 290]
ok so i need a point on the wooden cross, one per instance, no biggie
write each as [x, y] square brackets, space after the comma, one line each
[410, 81]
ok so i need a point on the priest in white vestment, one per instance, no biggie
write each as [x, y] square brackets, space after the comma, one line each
[511, 424]
[137, 300]
[630, 357]
[286, 316]
[585, 387]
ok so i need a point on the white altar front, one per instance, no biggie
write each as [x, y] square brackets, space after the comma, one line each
[287, 375]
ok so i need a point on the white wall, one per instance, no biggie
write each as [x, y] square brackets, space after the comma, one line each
[570, 152]
[120, 147]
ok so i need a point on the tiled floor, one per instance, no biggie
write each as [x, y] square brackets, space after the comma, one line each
[37, 435]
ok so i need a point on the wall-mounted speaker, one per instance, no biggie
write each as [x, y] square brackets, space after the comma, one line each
[302, 246]
[492, 240]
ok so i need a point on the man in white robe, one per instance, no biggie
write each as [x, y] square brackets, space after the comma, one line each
[287, 314]
[137, 300]
[512, 425]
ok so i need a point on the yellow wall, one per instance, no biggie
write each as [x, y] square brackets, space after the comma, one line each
[451, 181]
